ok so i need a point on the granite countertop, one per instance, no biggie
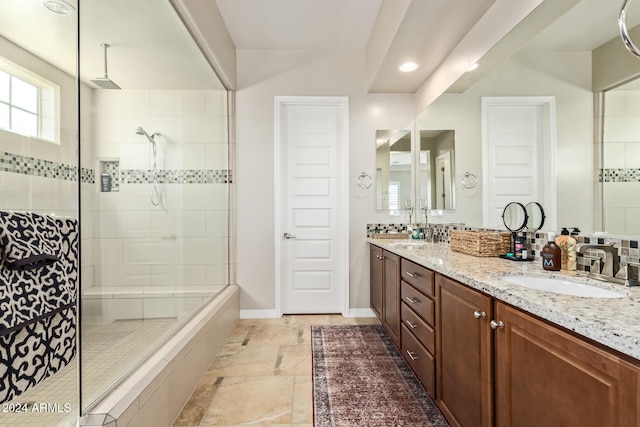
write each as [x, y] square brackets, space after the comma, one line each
[614, 323]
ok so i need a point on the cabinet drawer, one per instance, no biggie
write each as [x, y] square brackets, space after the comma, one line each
[422, 363]
[423, 332]
[419, 277]
[424, 306]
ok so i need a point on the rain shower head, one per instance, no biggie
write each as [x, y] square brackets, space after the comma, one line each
[105, 82]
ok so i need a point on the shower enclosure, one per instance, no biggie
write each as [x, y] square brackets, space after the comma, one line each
[145, 169]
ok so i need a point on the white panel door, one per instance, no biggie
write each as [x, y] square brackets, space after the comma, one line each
[518, 148]
[313, 243]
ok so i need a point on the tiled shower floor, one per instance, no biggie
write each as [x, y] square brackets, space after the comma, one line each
[112, 348]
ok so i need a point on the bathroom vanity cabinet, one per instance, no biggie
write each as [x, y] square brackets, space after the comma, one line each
[543, 374]
[465, 365]
[385, 290]
[488, 363]
[417, 314]
[375, 280]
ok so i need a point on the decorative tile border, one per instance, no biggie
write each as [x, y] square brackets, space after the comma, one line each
[176, 176]
[26, 165]
[619, 175]
[33, 166]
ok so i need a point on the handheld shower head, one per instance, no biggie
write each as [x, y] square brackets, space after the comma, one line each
[141, 131]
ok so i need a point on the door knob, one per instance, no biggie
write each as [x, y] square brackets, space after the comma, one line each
[289, 236]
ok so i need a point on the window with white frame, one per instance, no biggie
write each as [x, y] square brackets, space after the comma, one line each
[27, 105]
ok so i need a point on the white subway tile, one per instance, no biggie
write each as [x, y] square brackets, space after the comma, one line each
[614, 155]
[217, 156]
[107, 251]
[122, 275]
[216, 101]
[174, 274]
[192, 103]
[615, 104]
[164, 102]
[150, 251]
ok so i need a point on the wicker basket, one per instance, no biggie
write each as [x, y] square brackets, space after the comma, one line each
[390, 235]
[480, 243]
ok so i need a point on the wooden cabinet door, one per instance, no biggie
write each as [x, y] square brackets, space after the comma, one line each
[391, 295]
[548, 377]
[464, 369]
[375, 280]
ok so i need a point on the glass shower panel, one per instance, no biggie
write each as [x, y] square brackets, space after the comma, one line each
[39, 195]
[155, 199]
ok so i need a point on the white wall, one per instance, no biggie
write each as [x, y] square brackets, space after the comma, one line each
[565, 79]
[261, 77]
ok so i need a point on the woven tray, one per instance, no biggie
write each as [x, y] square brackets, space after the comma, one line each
[389, 235]
[480, 243]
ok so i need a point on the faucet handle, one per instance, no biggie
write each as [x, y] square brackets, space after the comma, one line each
[631, 273]
[594, 260]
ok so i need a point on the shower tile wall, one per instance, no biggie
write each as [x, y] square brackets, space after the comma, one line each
[620, 176]
[184, 241]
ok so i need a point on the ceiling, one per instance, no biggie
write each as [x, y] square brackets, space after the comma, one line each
[152, 49]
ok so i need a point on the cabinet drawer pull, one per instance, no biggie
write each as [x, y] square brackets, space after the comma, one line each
[479, 314]
[411, 355]
[496, 325]
[412, 300]
[411, 324]
[413, 274]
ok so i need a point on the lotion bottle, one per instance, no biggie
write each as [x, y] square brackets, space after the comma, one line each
[551, 254]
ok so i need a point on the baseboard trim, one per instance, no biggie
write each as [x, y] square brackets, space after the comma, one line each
[259, 314]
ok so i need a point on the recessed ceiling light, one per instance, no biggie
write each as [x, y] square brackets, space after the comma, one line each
[408, 67]
[473, 67]
[59, 7]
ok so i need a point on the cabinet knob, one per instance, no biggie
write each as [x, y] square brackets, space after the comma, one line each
[412, 300]
[413, 274]
[412, 355]
[479, 314]
[496, 325]
[379, 257]
[411, 324]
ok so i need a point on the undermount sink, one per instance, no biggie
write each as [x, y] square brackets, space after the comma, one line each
[562, 286]
[408, 244]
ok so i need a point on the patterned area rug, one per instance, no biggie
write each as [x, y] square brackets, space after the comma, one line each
[361, 380]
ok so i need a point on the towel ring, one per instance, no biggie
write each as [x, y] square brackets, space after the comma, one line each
[624, 33]
[469, 180]
[364, 181]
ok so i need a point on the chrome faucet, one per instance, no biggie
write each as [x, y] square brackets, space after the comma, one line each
[609, 269]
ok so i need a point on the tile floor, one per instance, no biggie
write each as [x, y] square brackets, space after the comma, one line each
[262, 376]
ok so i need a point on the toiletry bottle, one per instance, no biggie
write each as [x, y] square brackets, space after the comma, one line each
[567, 245]
[551, 254]
[520, 247]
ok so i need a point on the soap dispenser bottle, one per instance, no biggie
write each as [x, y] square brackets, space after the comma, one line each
[567, 245]
[551, 259]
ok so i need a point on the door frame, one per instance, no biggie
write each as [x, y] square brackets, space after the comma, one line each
[548, 126]
[342, 167]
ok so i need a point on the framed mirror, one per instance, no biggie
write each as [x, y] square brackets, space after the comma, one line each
[393, 169]
[436, 177]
